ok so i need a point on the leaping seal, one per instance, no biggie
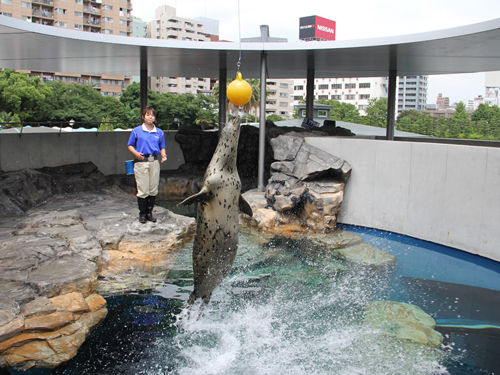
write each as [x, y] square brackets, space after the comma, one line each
[219, 202]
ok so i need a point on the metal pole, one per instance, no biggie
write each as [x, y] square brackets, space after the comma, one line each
[144, 78]
[310, 94]
[391, 105]
[262, 127]
[222, 98]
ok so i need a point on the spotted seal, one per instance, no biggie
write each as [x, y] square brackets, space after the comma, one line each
[219, 202]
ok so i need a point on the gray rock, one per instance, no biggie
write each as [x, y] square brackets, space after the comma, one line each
[286, 148]
[65, 275]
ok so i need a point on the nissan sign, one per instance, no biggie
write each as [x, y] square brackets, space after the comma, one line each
[316, 28]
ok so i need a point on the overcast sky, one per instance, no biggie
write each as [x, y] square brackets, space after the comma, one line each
[355, 20]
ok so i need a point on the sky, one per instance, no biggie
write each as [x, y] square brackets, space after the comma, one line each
[358, 19]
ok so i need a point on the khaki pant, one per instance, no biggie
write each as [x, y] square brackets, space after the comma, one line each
[147, 177]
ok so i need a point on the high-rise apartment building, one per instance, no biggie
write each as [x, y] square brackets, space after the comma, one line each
[112, 17]
[412, 93]
[357, 91]
[167, 25]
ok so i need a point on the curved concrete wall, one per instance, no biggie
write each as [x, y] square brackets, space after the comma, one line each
[107, 150]
[448, 194]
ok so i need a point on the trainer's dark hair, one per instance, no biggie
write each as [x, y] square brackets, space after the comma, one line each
[147, 110]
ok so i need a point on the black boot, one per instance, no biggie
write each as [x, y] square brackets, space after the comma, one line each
[143, 209]
[151, 204]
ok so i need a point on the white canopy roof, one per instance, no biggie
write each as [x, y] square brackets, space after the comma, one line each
[466, 49]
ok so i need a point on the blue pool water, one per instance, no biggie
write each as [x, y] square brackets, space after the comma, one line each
[288, 314]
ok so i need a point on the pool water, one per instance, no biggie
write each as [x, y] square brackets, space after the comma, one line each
[282, 311]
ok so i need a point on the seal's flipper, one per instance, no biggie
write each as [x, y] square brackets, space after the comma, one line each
[244, 206]
[202, 197]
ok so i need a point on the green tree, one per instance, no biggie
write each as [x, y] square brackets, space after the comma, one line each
[8, 120]
[459, 122]
[376, 112]
[342, 111]
[105, 125]
[20, 93]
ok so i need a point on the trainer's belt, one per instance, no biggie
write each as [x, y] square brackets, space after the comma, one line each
[147, 158]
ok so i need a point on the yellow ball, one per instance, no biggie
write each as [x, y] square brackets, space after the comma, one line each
[239, 92]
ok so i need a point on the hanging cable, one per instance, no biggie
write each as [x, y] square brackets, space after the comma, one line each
[239, 35]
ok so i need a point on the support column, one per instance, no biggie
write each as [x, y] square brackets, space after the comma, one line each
[144, 78]
[310, 94]
[222, 98]
[262, 127]
[391, 105]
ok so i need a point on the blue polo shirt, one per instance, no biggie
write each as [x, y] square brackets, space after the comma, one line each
[145, 141]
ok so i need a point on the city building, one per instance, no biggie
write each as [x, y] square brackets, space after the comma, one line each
[167, 25]
[412, 93]
[492, 86]
[356, 91]
[112, 17]
[442, 102]
[139, 28]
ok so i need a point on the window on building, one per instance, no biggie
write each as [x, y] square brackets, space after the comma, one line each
[78, 14]
[107, 31]
[107, 19]
[107, 7]
[336, 97]
[79, 2]
[336, 86]
[78, 27]
[9, 2]
[322, 87]
[60, 11]
[283, 85]
[6, 14]
[364, 96]
[299, 87]
[350, 97]
[60, 24]
[123, 33]
[298, 97]
[322, 113]
[123, 22]
[283, 113]
[322, 97]
[350, 85]
[284, 94]
[283, 104]
[25, 4]
[365, 85]
[362, 107]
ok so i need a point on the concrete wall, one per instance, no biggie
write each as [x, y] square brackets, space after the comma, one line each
[107, 150]
[448, 194]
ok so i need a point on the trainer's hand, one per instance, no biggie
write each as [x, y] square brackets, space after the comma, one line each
[140, 156]
[163, 158]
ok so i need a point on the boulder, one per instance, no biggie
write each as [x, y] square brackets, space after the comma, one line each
[404, 321]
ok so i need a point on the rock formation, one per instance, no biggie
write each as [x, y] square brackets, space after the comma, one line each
[306, 186]
[56, 258]
[198, 147]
